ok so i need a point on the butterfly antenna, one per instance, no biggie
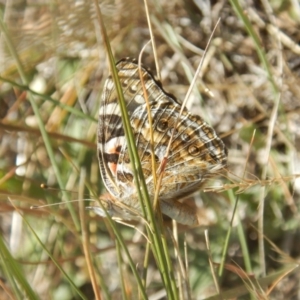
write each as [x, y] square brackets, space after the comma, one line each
[44, 186]
[54, 204]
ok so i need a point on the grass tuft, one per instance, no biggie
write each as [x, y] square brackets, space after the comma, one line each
[53, 65]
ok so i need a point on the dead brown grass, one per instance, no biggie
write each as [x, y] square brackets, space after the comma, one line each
[62, 54]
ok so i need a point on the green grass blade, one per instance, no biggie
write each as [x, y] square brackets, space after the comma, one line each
[57, 264]
[160, 252]
[40, 122]
[14, 274]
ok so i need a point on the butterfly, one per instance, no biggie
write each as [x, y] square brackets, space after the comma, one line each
[196, 152]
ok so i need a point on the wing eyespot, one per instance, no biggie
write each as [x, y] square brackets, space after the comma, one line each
[162, 125]
[194, 150]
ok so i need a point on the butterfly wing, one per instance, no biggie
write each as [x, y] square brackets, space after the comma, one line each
[196, 151]
[115, 166]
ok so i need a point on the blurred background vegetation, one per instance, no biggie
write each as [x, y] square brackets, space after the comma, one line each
[53, 66]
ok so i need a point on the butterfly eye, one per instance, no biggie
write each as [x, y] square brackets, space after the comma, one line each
[194, 150]
[162, 125]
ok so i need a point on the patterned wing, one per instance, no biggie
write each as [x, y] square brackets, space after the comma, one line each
[116, 172]
[196, 151]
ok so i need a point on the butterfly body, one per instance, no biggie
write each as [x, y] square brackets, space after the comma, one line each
[196, 152]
